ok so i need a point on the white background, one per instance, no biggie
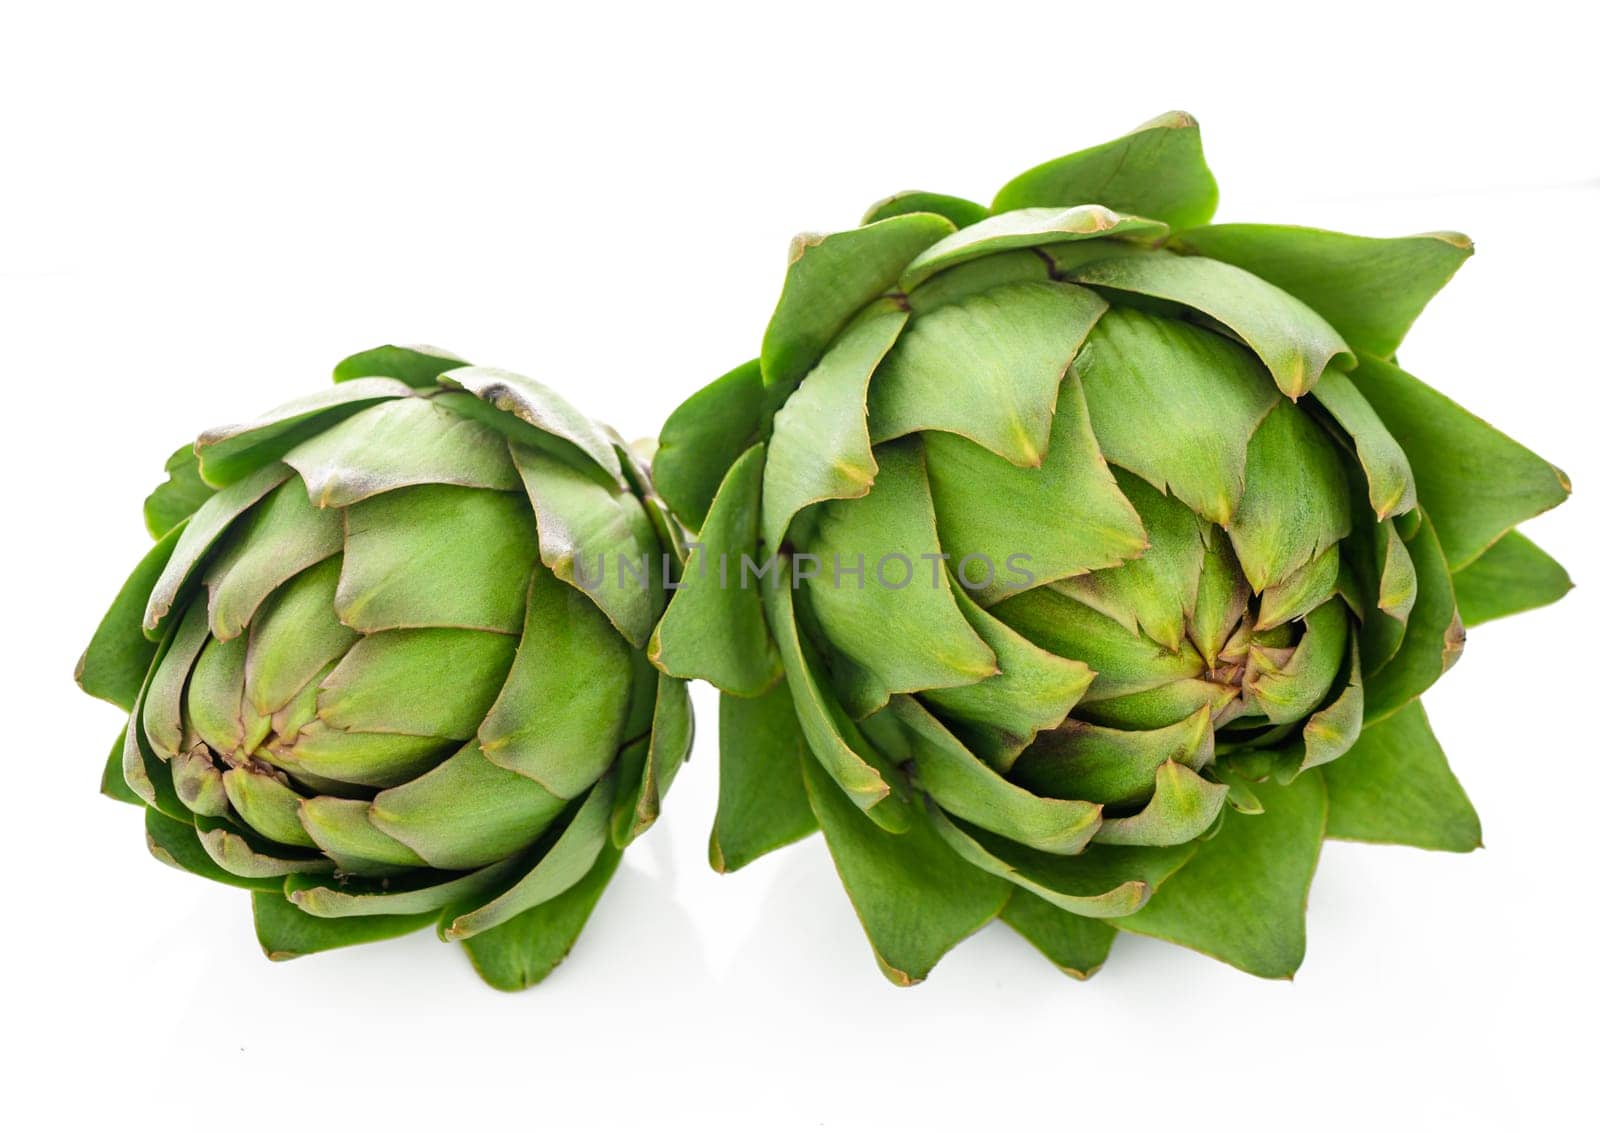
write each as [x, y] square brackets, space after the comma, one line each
[203, 207]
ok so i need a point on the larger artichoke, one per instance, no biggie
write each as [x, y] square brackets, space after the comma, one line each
[364, 681]
[1080, 563]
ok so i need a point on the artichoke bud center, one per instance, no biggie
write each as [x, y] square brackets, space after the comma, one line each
[377, 647]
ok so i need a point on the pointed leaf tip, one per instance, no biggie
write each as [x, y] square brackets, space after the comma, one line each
[830, 278]
[1171, 120]
[1512, 576]
[800, 243]
[1370, 290]
[1157, 170]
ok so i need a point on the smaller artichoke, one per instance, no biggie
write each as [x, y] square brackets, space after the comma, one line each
[1104, 554]
[377, 673]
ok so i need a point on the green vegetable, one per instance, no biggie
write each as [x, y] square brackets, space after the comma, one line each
[1110, 551]
[362, 677]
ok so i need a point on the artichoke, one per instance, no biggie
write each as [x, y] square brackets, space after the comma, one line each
[376, 676]
[1078, 562]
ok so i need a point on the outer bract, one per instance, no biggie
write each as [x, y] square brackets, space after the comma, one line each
[1111, 551]
[362, 678]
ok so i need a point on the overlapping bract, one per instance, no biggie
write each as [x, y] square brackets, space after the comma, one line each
[364, 681]
[1112, 552]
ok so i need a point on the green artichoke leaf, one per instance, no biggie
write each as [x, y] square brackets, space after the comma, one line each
[1077, 945]
[563, 863]
[1176, 406]
[1110, 765]
[423, 891]
[1296, 501]
[197, 781]
[1156, 591]
[119, 655]
[713, 629]
[960, 283]
[367, 758]
[1383, 580]
[669, 535]
[1333, 730]
[514, 431]
[148, 777]
[1033, 691]
[417, 682]
[416, 366]
[433, 555]
[1102, 881]
[1242, 898]
[1301, 591]
[820, 448]
[987, 367]
[232, 452]
[915, 897]
[113, 784]
[1434, 633]
[1394, 786]
[524, 950]
[214, 702]
[160, 708]
[1221, 600]
[988, 509]
[208, 524]
[1240, 797]
[1294, 342]
[641, 703]
[873, 568]
[199, 784]
[266, 805]
[537, 405]
[1391, 487]
[285, 931]
[963, 785]
[1370, 290]
[295, 641]
[630, 772]
[833, 741]
[177, 498]
[957, 210]
[1157, 170]
[761, 797]
[1159, 707]
[1124, 662]
[246, 854]
[466, 812]
[671, 736]
[558, 719]
[1476, 482]
[177, 844]
[1026, 228]
[703, 437]
[597, 540]
[276, 540]
[1184, 806]
[1512, 576]
[399, 444]
[831, 278]
[856, 689]
[343, 829]
[344, 762]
